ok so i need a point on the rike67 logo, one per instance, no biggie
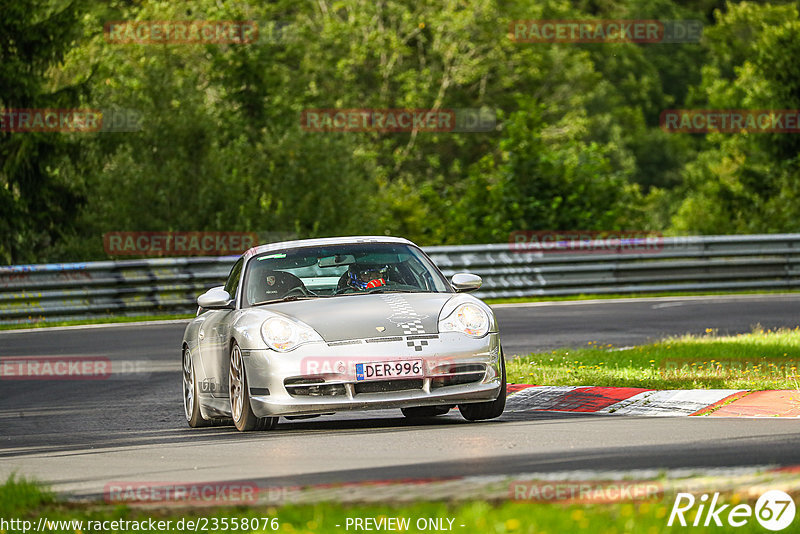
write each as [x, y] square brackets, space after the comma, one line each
[774, 510]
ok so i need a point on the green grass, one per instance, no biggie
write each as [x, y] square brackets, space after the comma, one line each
[18, 496]
[40, 323]
[20, 499]
[759, 360]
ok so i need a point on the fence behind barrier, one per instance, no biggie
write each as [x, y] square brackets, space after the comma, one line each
[66, 291]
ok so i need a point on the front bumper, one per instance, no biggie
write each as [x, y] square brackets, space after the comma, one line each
[320, 378]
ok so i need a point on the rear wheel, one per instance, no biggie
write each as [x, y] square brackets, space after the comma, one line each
[425, 411]
[243, 417]
[488, 410]
[191, 402]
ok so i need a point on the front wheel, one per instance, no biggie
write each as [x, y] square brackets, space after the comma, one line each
[191, 401]
[488, 410]
[243, 417]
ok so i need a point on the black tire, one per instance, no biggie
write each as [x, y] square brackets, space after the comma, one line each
[191, 400]
[488, 410]
[238, 391]
[419, 412]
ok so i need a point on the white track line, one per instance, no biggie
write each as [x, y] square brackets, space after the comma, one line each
[93, 326]
[643, 299]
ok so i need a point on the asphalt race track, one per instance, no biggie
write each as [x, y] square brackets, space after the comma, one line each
[80, 435]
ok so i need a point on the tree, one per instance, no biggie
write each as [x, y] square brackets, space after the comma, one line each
[747, 182]
[38, 204]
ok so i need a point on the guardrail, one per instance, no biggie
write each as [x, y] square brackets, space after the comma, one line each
[67, 291]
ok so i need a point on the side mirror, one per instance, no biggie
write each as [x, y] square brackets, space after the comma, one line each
[216, 298]
[466, 282]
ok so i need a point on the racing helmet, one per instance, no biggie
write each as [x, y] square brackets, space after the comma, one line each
[363, 277]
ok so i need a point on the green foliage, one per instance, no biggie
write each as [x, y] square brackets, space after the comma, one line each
[19, 495]
[37, 201]
[577, 143]
[747, 183]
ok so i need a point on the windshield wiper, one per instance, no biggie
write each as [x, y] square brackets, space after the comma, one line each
[288, 298]
[373, 291]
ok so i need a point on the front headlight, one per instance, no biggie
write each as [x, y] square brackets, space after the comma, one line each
[468, 319]
[283, 334]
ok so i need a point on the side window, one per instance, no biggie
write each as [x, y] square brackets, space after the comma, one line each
[234, 277]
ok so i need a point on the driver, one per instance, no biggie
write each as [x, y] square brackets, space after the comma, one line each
[366, 277]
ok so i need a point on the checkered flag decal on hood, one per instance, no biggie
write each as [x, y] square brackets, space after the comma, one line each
[404, 316]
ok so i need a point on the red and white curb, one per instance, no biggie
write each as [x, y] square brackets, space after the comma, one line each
[650, 402]
[576, 486]
[573, 486]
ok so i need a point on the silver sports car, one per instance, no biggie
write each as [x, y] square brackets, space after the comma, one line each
[313, 327]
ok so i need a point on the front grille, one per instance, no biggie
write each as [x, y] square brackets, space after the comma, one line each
[455, 368]
[347, 342]
[457, 374]
[317, 390]
[383, 386]
[456, 380]
[303, 381]
[383, 339]
[313, 387]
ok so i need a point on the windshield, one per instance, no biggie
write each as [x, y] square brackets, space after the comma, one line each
[340, 270]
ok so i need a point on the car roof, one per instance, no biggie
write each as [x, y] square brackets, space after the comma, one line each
[322, 242]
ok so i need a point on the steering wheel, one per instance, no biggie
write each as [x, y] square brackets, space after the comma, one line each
[302, 290]
[341, 290]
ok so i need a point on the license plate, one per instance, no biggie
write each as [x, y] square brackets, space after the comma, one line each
[393, 369]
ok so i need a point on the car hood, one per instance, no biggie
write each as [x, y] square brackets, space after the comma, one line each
[369, 316]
